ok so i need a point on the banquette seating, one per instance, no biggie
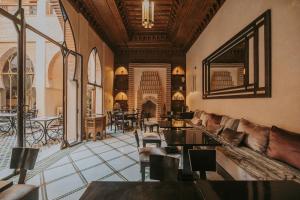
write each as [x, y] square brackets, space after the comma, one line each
[251, 151]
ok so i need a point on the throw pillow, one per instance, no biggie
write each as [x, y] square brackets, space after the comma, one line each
[284, 146]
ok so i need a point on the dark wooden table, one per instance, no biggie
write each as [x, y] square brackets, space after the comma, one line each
[141, 191]
[187, 139]
[208, 190]
[174, 124]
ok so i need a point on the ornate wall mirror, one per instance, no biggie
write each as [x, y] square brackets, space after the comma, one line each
[241, 68]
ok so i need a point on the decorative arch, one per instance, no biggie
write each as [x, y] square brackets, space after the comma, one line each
[178, 96]
[121, 96]
[178, 71]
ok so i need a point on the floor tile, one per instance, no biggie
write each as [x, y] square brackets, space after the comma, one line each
[60, 162]
[121, 163]
[110, 155]
[124, 137]
[113, 177]
[134, 155]
[130, 141]
[63, 186]
[93, 144]
[111, 140]
[127, 149]
[132, 173]
[118, 144]
[81, 155]
[36, 180]
[88, 162]
[58, 172]
[101, 149]
[82, 148]
[96, 172]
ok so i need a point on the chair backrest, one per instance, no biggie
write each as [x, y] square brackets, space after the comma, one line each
[137, 139]
[203, 160]
[163, 168]
[23, 159]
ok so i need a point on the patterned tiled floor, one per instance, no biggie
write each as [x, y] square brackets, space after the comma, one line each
[112, 159]
[66, 174]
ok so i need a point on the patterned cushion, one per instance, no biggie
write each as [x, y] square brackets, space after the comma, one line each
[231, 123]
[257, 136]
[257, 165]
[196, 121]
[197, 114]
[151, 136]
[204, 118]
[233, 137]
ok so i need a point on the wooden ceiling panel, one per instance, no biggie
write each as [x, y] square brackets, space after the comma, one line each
[177, 23]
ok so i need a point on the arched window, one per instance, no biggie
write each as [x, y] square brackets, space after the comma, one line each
[94, 87]
[9, 76]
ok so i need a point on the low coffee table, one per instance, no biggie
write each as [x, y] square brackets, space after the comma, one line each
[174, 124]
[187, 139]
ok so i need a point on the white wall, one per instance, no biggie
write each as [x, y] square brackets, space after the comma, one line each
[284, 107]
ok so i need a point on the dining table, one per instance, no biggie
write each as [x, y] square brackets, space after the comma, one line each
[45, 122]
[187, 139]
[11, 118]
[200, 190]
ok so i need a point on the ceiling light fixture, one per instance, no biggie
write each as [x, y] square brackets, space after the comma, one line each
[148, 14]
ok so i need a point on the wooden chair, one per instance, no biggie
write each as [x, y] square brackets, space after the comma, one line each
[203, 160]
[110, 119]
[144, 154]
[163, 168]
[151, 138]
[22, 159]
[120, 121]
[94, 125]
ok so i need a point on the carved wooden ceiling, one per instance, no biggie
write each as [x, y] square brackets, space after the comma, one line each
[178, 23]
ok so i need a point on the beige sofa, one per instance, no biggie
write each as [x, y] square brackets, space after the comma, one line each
[259, 156]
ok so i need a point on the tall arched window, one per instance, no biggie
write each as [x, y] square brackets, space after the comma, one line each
[94, 87]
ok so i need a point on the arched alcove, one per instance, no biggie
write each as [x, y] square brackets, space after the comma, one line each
[121, 71]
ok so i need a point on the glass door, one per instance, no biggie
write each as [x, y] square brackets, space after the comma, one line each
[73, 97]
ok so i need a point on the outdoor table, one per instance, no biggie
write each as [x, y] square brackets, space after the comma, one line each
[187, 139]
[45, 122]
[208, 190]
[11, 117]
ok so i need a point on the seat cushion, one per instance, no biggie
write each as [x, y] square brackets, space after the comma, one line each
[151, 136]
[145, 153]
[257, 136]
[284, 146]
[20, 191]
[245, 164]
